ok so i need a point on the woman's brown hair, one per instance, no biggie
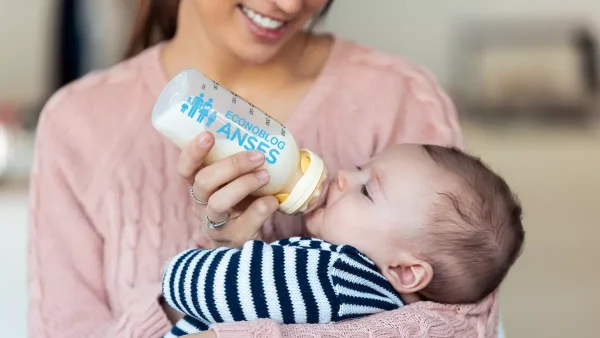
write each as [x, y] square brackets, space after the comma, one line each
[156, 21]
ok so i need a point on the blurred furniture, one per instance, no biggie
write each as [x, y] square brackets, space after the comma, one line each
[16, 153]
[538, 70]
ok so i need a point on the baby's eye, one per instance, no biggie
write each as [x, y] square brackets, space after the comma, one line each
[365, 192]
[358, 168]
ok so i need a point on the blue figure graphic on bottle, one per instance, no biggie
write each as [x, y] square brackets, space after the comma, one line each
[206, 108]
[186, 104]
[211, 119]
[201, 116]
[196, 104]
[184, 107]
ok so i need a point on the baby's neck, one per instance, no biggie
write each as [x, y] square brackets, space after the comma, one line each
[410, 298]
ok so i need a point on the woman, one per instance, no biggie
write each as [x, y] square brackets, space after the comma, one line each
[107, 207]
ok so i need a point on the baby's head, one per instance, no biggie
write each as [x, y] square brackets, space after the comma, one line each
[436, 221]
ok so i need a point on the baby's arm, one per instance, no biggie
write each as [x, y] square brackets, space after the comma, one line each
[285, 283]
[295, 281]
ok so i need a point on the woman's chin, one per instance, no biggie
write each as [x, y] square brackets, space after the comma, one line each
[252, 52]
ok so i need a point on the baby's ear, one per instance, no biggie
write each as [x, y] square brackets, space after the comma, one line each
[409, 275]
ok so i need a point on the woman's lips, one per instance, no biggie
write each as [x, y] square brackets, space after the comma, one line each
[264, 28]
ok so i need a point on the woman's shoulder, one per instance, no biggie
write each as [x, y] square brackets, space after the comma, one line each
[409, 104]
[359, 61]
[104, 98]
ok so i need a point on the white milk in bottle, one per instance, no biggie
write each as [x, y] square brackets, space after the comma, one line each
[192, 103]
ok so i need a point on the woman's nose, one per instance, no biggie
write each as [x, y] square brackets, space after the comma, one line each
[289, 6]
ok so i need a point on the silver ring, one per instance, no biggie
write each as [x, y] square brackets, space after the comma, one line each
[194, 197]
[213, 225]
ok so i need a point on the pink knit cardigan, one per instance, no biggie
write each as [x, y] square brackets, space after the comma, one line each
[108, 209]
[423, 319]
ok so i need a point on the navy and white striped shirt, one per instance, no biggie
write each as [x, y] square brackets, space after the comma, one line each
[292, 281]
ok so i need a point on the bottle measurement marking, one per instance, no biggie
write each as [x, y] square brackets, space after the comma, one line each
[252, 110]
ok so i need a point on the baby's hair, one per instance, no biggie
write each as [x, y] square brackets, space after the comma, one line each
[475, 230]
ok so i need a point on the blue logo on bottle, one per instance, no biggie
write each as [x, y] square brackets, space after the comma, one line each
[247, 135]
[211, 119]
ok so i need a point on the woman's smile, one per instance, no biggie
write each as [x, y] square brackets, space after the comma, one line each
[266, 28]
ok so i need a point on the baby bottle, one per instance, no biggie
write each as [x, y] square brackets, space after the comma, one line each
[192, 103]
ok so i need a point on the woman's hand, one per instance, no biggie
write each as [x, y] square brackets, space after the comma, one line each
[222, 190]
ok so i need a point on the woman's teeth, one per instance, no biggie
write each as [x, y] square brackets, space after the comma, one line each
[261, 21]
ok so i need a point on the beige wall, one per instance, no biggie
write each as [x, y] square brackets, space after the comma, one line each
[419, 29]
[423, 30]
[24, 41]
[27, 41]
[552, 292]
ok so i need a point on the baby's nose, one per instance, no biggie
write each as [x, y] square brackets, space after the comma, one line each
[341, 180]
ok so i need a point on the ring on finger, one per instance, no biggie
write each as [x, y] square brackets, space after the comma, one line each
[195, 198]
[213, 225]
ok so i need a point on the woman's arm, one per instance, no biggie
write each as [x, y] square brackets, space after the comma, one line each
[419, 320]
[388, 325]
[67, 294]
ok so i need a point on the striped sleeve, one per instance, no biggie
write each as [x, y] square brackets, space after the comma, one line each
[285, 283]
[185, 326]
[360, 288]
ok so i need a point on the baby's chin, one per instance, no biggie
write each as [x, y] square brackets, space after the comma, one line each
[314, 222]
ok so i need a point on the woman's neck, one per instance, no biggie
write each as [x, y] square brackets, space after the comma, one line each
[192, 48]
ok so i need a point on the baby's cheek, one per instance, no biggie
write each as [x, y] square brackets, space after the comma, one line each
[339, 226]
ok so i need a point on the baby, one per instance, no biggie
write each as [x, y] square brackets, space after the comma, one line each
[415, 223]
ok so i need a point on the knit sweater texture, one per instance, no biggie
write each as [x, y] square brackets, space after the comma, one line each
[108, 210]
[296, 280]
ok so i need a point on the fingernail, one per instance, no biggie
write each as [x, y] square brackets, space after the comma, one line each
[262, 175]
[256, 156]
[204, 140]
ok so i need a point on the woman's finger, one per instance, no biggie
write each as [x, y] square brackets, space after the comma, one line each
[247, 226]
[234, 192]
[192, 156]
[209, 179]
[255, 217]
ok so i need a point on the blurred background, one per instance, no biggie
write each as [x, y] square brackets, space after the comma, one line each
[524, 75]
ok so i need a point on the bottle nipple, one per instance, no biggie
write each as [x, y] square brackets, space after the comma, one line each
[304, 164]
[310, 190]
